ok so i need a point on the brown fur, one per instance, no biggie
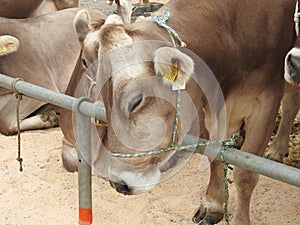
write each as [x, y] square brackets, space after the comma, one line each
[98, 24]
[48, 65]
[279, 148]
[30, 8]
[18, 8]
[78, 86]
[244, 43]
[64, 4]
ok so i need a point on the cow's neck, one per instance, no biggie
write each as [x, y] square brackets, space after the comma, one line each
[148, 30]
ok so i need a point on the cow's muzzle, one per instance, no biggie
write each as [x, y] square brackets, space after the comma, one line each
[121, 187]
[293, 63]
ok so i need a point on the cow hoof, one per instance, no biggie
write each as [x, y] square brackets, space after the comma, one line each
[50, 117]
[201, 217]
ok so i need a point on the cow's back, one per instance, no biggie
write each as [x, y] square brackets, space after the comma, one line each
[18, 8]
[48, 49]
[235, 37]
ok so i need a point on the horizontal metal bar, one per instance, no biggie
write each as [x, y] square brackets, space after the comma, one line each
[52, 97]
[235, 157]
[263, 166]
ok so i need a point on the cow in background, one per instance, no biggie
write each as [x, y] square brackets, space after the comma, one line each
[30, 8]
[279, 148]
[44, 51]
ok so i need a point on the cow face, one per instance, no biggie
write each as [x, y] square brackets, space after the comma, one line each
[140, 104]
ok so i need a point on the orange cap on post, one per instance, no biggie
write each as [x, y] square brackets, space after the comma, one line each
[85, 216]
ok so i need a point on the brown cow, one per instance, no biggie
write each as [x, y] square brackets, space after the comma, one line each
[31, 8]
[279, 148]
[244, 43]
[31, 49]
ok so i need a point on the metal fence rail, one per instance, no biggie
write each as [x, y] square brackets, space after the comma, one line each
[55, 98]
[85, 110]
[245, 160]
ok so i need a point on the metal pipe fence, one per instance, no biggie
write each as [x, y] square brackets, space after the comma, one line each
[84, 110]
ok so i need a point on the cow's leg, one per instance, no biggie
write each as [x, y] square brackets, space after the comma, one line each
[258, 117]
[42, 120]
[69, 156]
[124, 9]
[279, 147]
[69, 153]
[8, 125]
[258, 126]
[211, 210]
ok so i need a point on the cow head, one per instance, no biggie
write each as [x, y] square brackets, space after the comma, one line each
[140, 104]
[135, 80]
[8, 44]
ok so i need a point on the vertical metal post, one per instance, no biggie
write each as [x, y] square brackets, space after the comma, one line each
[83, 139]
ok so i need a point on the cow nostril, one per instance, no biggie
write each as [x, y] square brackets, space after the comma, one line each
[124, 189]
[121, 187]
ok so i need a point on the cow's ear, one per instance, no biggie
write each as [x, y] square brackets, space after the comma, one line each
[82, 24]
[173, 65]
[8, 44]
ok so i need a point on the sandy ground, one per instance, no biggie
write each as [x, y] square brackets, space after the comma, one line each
[44, 193]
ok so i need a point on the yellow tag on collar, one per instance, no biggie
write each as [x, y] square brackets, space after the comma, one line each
[173, 74]
[182, 44]
[3, 49]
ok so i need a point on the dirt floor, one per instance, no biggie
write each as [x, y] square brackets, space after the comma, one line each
[44, 193]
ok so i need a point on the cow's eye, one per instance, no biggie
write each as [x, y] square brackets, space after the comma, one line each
[84, 63]
[135, 102]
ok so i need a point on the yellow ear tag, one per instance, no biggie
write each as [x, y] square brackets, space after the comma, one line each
[173, 74]
[3, 49]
